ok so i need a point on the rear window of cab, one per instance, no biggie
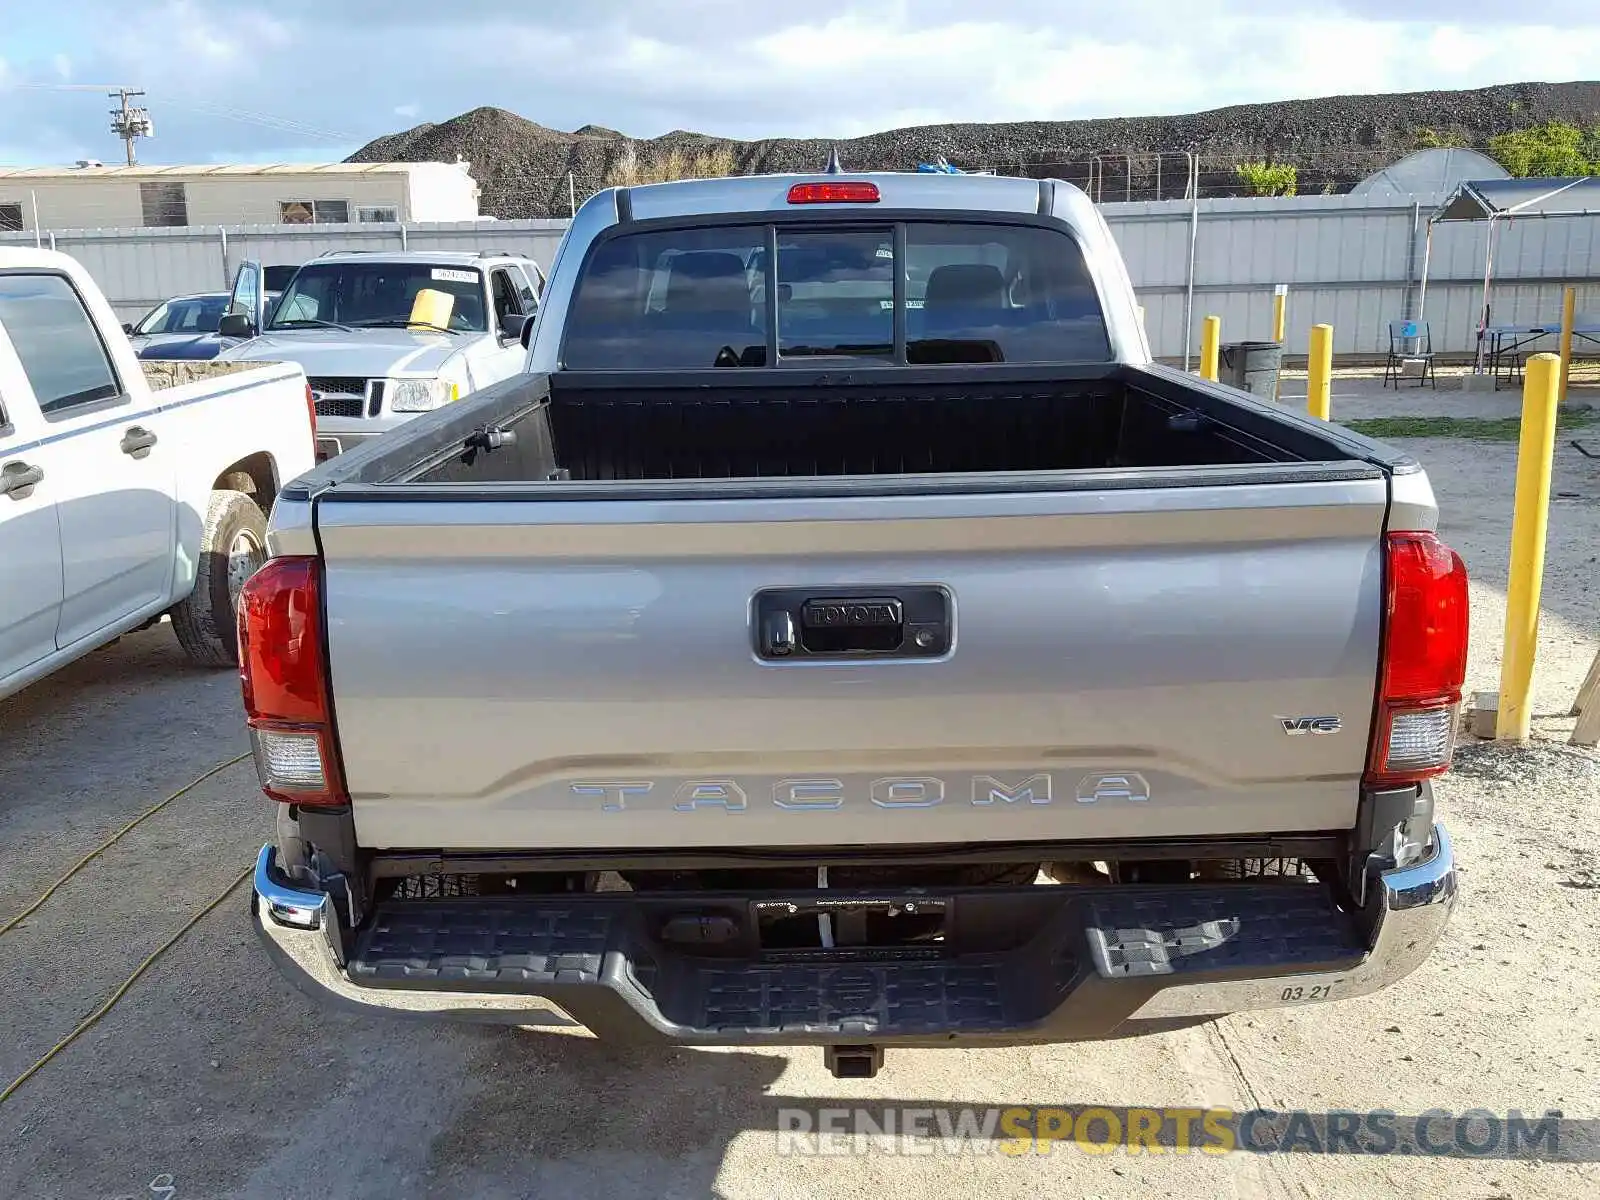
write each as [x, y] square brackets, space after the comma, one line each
[696, 298]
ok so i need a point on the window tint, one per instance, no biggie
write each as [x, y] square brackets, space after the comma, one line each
[999, 293]
[61, 351]
[836, 293]
[974, 293]
[195, 314]
[685, 298]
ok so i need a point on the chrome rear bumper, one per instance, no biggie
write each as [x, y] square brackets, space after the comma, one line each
[1412, 906]
[301, 933]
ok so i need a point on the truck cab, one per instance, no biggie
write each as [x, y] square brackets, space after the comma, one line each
[383, 337]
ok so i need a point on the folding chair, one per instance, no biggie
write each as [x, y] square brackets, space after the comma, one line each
[1505, 363]
[1408, 342]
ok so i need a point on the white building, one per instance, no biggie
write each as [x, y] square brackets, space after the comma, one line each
[99, 197]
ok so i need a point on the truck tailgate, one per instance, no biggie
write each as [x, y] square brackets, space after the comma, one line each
[514, 672]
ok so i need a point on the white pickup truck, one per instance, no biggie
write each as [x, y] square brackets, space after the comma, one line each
[374, 358]
[127, 489]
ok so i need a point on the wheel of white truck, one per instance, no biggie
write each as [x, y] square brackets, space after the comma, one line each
[232, 548]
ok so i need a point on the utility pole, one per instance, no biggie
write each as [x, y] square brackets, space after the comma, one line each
[130, 123]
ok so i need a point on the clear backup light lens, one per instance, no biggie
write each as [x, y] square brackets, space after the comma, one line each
[1420, 739]
[418, 395]
[290, 762]
[283, 676]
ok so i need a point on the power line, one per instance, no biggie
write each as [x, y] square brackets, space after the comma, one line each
[268, 120]
[130, 122]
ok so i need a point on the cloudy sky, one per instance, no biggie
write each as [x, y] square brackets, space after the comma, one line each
[308, 80]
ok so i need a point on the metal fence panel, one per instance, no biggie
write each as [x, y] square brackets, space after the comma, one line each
[1349, 261]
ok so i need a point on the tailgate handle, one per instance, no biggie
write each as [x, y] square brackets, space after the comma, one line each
[855, 622]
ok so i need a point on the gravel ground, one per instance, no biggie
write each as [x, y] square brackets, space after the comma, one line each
[213, 1078]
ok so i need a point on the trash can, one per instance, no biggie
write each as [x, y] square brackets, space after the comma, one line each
[1252, 366]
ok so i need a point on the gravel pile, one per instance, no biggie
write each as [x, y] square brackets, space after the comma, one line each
[522, 167]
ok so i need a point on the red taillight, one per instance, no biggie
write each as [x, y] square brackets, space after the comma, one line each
[834, 193]
[1424, 659]
[285, 684]
[311, 411]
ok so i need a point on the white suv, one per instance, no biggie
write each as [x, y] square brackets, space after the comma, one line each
[375, 355]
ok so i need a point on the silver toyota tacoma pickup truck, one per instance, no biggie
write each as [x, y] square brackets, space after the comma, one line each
[844, 634]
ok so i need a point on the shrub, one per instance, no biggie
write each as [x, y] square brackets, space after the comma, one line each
[628, 171]
[1268, 179]
[1432, 139]
[1554, 148]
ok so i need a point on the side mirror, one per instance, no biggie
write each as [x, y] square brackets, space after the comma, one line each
[127, 327]
[526, 335]
[235, 325]
[511, 325]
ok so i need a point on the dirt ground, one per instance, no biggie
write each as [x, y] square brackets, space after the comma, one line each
[213, 1078]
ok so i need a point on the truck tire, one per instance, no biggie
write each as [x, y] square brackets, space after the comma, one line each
[232, 547]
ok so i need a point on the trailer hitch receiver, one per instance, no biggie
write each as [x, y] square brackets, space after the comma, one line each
[853, 1062]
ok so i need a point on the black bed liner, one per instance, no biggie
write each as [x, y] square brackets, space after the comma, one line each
[994, 428]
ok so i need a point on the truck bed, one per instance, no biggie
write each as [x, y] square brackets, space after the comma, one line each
[590, 428]
[600, 433]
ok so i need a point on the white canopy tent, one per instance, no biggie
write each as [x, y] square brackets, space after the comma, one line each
[1496, 201]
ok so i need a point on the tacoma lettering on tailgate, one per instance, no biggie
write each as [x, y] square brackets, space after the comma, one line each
[814, 793]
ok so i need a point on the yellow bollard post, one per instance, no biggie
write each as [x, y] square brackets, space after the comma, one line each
[1319, 372]
[1210, 347]
[1569, 306]
[1535, 449]
[1280, 327]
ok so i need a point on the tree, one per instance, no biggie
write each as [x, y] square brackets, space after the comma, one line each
[1268, 179]
[1554, 148]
